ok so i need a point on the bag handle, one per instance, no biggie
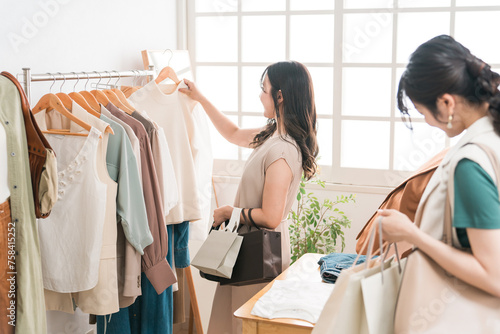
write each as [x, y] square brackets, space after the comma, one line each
[215, 193]
[370, 244]
[381, 250]
[234, 221]
[447, 226]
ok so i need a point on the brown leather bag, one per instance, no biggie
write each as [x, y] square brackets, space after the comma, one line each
[38, 148]
[404, 198]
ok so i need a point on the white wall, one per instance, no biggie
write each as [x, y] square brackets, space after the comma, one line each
[367, 201]
[77, 35]
[73, 36]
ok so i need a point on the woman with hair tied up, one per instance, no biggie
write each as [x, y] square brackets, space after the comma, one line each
[284, 149]
[455, 91]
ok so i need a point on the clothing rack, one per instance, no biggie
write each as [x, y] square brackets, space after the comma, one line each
[28, 77]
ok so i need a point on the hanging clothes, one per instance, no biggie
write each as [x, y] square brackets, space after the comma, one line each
[163, 163]
[4, 175]
[91, 300]
[151, 313]
[154, 264]
[71, 237]
[128, 258]
[42, 160]
[103, 297]
[176, 115]
[7, 291]
[187, 136]
[131, 210]
[30, 309]
[134, 141]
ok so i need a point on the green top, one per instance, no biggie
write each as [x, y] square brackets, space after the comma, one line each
[130, 207]
[476, 200]
[30, 313]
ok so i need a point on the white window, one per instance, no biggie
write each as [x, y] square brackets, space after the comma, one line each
[355, 50]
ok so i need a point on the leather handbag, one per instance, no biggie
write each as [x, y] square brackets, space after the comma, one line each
[433, 301]
[259, 260]
[42, 159]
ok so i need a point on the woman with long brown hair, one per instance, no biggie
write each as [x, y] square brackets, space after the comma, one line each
[284, 149]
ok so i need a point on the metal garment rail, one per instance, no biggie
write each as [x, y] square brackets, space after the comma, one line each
[28, 78]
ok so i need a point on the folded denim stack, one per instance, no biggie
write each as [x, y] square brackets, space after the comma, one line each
[332, 264]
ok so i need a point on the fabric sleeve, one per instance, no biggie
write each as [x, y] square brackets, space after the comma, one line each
[476, 197]
[131, 208]
[154, 262]
[282, 150]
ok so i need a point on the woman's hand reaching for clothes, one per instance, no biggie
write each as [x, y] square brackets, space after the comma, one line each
[192, 91]
[396, 226]
[222, 214]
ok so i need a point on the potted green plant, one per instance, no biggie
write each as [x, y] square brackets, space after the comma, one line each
[316, 226]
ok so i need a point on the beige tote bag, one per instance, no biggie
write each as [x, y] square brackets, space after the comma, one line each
[432, 301]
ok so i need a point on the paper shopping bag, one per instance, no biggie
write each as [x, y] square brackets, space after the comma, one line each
[380, 293]
[344, 312]
[219, 252]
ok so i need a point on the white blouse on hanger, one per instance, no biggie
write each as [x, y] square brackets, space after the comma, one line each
[186, 129]
[4, 176]
[71, 237]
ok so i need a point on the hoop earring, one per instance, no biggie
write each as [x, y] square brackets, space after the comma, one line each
[450, 119]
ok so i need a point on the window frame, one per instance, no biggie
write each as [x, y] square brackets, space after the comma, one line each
[334, 173]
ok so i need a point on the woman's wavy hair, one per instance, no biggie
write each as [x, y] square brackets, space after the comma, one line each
[298, 114]
[442, 65]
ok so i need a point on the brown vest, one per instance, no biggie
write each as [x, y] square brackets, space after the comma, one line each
[37, 147]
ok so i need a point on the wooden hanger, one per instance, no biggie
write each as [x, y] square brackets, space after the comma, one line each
[91, 100]
[52, 102]
[100, 97]
[167, 72]
[80, 100]
[65, 99]
[123, 98]
[116, 101]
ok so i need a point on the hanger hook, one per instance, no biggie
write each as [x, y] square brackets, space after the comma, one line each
[171, 55]
[53, 82]
[134, 78]
[119, 77]
[64, 77]
[100, 78]
[88, 79]
[77, 81]
[109, 76]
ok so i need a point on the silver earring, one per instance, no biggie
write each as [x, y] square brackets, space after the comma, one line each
[449, 125]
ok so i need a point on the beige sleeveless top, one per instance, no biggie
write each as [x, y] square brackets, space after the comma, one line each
[251, 187]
